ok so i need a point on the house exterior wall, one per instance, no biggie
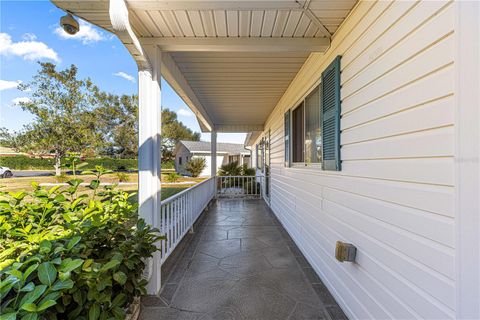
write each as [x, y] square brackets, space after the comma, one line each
[221, 160]
[394, 198]
[183, 153]
[186, 155]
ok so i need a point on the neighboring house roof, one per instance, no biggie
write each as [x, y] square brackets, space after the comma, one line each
[204, 147]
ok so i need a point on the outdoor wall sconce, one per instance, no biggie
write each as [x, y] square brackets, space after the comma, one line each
[345, 251]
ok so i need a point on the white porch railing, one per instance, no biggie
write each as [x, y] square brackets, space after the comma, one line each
[180, 211]
[240, 186]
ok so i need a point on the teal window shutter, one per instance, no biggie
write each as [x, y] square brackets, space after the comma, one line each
[331, 107]
[287, 137]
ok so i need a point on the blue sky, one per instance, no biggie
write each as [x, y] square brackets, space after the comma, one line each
[29, 32]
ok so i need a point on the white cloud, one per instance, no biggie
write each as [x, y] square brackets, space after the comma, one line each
[87, 34]
[185, 113]
[29, 37]
[5, 84]
[28, 50]
[125, 76]
[21, 100]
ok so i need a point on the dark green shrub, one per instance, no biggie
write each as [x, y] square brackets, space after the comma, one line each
[172, 177]
[27, 163]
[195, 166]
[170, 164]
[246, 171]
[64, 256]
[121, 176]
[230, 169]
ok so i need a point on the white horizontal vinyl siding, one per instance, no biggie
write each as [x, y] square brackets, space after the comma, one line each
[394, 198]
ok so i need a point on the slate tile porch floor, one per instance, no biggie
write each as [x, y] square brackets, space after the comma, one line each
[239, 264]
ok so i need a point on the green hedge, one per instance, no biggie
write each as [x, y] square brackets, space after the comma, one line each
[27, 163]
[71, 257]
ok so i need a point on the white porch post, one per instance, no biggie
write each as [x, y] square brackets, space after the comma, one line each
[149, 155]
[213, 141]
[467, 160]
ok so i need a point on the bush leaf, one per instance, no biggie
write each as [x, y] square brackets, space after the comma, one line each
[120, 277]
[30, 307]
[30, 316]
[94, 312]
[47, 304]
[28, 287]
[70, 265]
[8, 316]
[33, 295]
[47, 273]
[109, 265]
[73, 242]
[61, 285]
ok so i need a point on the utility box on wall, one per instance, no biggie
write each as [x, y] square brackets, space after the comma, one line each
[345, 252]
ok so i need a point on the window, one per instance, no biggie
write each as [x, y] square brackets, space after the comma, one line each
[234, 159]
[312, 128]
[306, 130]
[180, 160]
[260, 155]
[298, 133]
[287, 138]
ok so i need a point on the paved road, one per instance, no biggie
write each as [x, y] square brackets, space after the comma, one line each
[31, 173]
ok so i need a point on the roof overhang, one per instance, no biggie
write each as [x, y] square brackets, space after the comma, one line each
[230, 61]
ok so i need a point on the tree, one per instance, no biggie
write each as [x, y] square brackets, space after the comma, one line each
[73, 115]
[117, 119]
[195, 166]
[172, 132]
[61, 105]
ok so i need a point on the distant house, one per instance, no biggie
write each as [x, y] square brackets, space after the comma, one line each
[226, 153]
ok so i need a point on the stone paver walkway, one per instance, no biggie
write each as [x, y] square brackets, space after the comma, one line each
[240, 264]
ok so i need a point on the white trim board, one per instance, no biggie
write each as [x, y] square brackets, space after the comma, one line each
[467, 156]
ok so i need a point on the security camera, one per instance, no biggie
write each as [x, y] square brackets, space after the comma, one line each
[69, 24]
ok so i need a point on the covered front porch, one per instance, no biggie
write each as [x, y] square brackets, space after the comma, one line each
[239, 263]
[231, 62]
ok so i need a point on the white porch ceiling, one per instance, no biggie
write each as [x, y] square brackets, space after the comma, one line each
[236, 58]
[239, 88]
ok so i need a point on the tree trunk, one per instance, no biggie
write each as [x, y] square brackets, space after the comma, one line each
[58, 163]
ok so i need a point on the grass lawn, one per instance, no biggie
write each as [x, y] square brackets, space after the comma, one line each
[21, 184]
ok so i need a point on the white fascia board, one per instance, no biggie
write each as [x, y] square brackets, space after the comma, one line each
[251, 138]
[237, 44]
[214, 5]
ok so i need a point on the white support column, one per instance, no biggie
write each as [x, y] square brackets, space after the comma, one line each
[213, 141]
[149, 157]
